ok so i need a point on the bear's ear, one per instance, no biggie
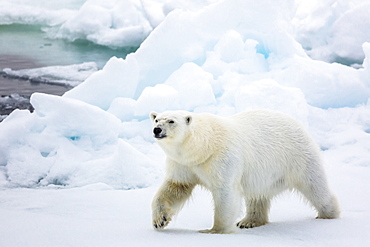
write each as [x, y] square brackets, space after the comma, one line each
[188, 119]
[153, 115]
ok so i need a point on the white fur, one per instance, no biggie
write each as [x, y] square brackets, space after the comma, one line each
[255, 154]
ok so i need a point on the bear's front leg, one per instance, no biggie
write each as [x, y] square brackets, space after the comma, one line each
[168, 200]
[226, 209]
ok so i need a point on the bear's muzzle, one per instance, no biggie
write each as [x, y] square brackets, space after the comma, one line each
[158, 133]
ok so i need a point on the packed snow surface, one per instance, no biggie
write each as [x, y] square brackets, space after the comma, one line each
[220, 57]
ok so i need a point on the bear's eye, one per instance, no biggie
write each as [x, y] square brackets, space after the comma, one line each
[156, 121]
[171, 122]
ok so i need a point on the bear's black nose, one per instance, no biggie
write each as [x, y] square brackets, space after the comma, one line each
[157, 130]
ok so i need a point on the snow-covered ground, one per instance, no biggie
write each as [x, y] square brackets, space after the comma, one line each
[82, 169]
[97, 215]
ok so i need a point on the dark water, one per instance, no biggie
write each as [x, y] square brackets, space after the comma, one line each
[29, 41]
[15, 93]
[27, 47]
[25, 88]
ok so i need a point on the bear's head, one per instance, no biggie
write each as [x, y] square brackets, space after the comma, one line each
[171, 125]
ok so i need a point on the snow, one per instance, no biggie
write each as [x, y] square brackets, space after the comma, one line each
[97, 215]
[82, 168]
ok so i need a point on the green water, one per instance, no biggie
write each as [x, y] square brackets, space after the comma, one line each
[27, 46]
[31, 42]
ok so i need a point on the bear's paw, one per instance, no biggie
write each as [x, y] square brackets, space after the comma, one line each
[250, 223]
[161, 222]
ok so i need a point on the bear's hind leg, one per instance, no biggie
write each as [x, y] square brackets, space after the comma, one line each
[329, 211]
[257, 213]
[315, 189]
[324, 202]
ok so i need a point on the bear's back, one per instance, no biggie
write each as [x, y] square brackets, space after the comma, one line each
[267, 134]
[268, 121]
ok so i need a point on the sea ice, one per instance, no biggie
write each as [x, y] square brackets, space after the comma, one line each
[68, 75]
[99, 131]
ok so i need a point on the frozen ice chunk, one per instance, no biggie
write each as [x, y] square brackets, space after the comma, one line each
[29, 12]
[13, 129]
[158, 98]
[230, 47]
[194, 86]
[110, 23]
[187, 36]
[75, 119]
[269, 94]
[118, 78]
[123, 108]
[365, 73]
[324, 85]
[366, 49]
[245, 59]
[332, 31]
[67, 142]
[120, 166]
[347, 33]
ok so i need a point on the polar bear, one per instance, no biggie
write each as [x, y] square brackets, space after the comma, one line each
[255, 154]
